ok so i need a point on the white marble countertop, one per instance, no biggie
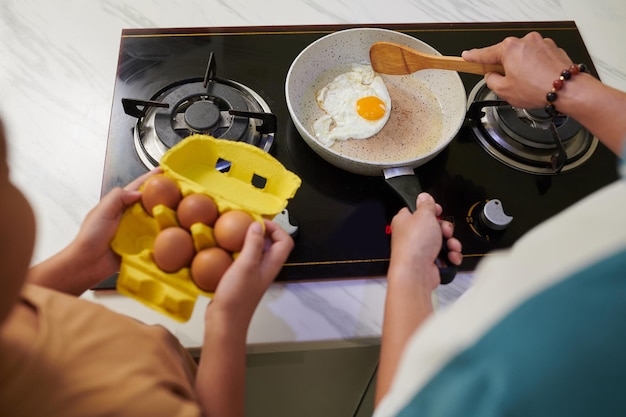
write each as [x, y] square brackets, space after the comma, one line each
[57, 71]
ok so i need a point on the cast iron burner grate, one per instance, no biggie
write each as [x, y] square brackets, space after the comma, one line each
[221, 108]
[527, 140]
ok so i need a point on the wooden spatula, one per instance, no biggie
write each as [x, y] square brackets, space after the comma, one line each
[395, 59]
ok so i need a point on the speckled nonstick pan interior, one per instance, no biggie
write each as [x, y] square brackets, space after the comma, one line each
[438, 95]
[436, 99]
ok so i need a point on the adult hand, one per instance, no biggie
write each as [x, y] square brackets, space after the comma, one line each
[416, 240]
[530, 63]
[244, 283]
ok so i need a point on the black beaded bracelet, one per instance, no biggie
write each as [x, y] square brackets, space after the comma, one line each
[558, 84]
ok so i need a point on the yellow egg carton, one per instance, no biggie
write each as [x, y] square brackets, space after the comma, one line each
[236, 175]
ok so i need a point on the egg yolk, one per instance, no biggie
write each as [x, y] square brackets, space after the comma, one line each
[370, 108]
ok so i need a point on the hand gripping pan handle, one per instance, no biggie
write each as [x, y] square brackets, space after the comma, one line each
[404, 182]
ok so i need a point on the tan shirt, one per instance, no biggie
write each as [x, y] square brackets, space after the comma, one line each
[86, 360]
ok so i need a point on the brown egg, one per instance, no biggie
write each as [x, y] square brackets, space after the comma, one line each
[208, 266]
[196, 208]
[160, 189]
[230, 229]
[173, 249]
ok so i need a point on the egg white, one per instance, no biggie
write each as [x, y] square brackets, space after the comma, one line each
[338, 99]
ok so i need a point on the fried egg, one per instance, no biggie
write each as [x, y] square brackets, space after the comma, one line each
[356, 105]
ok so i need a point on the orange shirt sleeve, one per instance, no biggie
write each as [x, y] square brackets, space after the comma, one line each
[89, 361]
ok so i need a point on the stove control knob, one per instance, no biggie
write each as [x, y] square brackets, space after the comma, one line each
[493, 216]
[287, 223]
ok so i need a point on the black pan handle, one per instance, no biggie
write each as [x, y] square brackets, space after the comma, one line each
[406, 184]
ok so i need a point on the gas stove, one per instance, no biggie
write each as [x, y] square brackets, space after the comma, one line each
[506, 171]
[212, 106]
[529, 140]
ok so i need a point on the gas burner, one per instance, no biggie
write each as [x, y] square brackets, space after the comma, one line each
[213, 106]
[527, 140]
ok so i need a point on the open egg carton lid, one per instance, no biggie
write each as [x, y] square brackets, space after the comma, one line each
[236, 175]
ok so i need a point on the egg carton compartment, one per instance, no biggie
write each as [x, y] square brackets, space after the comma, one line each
[236, 175]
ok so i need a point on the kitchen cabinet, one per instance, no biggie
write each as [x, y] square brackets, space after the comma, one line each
[318, 382]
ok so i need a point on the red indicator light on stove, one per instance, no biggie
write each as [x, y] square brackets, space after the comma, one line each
[388, 227]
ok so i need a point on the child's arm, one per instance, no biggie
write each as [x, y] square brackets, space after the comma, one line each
[89, 259]
[220, 381]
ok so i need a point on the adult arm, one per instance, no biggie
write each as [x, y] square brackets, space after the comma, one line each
[532, 63]
[412, 276]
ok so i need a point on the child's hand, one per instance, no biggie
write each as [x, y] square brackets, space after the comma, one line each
[244, 283]
[91, 247]
[89, 259]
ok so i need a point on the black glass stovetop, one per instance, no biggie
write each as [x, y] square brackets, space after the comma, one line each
[343, 218]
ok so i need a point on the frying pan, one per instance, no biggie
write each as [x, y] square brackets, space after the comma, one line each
[428, 109]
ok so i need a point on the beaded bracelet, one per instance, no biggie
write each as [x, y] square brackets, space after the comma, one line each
[558, 84]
